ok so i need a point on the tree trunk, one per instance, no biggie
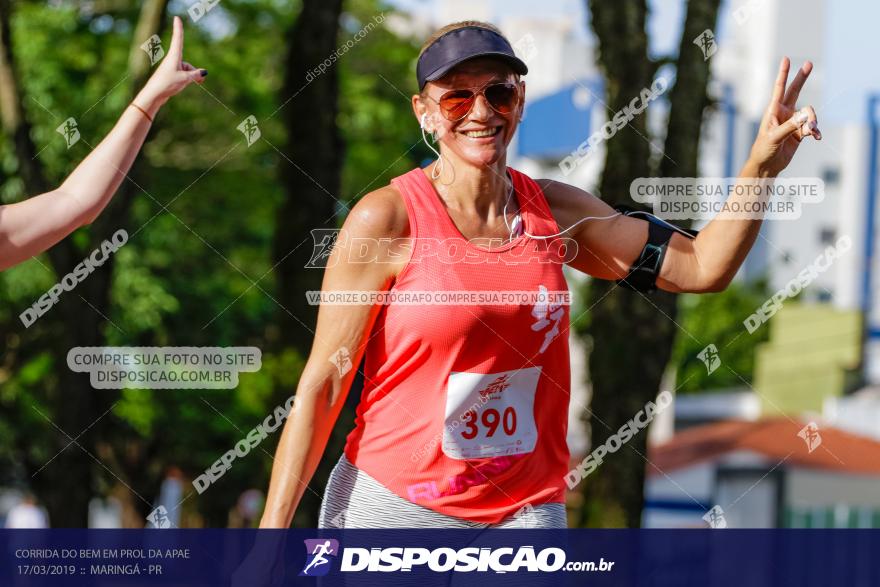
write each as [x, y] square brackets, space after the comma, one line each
[633, 332]
[311, 175]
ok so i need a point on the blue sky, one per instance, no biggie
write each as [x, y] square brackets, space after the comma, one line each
[851, 53]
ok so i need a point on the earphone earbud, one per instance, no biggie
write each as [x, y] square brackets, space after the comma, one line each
[424, 118]
[516, 225]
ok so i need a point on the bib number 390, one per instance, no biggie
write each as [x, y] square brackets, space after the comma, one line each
[489, 420]
[490, 414]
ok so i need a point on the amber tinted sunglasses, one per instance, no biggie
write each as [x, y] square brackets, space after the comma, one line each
[456, 104]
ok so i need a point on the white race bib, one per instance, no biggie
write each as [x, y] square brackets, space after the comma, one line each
[490, 414]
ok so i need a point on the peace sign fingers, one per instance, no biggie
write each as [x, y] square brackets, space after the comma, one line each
[794, 90]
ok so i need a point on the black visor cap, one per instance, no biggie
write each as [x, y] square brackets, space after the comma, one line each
[460, 45]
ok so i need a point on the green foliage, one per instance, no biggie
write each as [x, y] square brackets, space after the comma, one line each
[718, 319]
[197, 269]
[376, 119]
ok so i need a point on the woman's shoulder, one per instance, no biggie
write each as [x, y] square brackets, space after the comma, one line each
[379, 219]
[379, 214]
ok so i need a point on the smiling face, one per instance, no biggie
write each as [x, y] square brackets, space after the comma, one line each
[480, 137]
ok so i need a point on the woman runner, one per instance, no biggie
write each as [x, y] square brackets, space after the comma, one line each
[462, 421]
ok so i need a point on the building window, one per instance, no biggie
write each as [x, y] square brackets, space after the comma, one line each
[827, 235]
[831, 176]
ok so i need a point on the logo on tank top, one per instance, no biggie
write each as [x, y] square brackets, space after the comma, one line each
[548, 316]
[494, 389]
[473, 476]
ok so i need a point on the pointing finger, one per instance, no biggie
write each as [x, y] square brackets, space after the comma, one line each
[176, 50]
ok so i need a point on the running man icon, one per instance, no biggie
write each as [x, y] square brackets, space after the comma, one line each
[317, 563]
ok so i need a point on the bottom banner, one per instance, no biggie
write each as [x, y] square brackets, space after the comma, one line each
[440, 557]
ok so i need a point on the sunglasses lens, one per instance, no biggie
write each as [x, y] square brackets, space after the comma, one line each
[502, 97]
[456, 104]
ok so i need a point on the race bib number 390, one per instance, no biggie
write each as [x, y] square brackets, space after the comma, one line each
[490, 414]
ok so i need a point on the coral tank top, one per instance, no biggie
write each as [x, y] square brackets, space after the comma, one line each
[465, 402]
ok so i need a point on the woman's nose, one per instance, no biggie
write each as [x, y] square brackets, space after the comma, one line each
[481, 109]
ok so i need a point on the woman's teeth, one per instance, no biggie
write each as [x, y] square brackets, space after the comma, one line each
[477, 134]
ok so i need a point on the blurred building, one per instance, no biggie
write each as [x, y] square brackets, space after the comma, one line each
[757, 36]
[819, 351]
[764, 474]
[748, 450]
[858, 413]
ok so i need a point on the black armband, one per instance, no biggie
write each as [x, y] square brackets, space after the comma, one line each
[643, 273]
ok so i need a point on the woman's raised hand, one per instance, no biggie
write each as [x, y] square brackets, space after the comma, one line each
[784, 126]
[173, 73]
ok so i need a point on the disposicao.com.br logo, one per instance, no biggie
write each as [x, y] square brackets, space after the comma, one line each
[317, 561]
[442, 560]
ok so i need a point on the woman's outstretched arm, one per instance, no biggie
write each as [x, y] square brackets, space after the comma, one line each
[342, 332]
[609, 247]
[30, 227]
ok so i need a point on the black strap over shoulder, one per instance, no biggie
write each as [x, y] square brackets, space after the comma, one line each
[643, 273]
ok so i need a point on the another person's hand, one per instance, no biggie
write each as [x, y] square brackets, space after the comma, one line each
[784, 126]
[171, 76]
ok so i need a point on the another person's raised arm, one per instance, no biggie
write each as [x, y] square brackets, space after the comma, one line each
[30, 227]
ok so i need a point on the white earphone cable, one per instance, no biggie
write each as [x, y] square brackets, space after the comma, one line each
[438, 169]
[517, 221]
